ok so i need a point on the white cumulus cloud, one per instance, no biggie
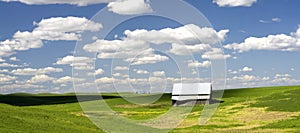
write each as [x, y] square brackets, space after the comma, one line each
[196, 64]
[234, 3]
[136, 47]
[79, 63]
[72, 2]
[121, 68]
[141, 71]
[246, 69]
[279, 42]
[129, 7]
[8, 65]
[34, 71]
[50, 29]
[124, 7]
[99, 71]
[5, 79]
[158, 73]
[40, 79]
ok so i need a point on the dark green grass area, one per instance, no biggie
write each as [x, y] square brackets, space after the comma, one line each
[62, 113]
[23, 99]
[294, 122]
[258, 94]
[29, 119]
[204, 128]
[285, 101]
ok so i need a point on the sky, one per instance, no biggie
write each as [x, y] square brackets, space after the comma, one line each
[258, 39]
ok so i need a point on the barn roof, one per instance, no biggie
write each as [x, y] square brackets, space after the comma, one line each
[191, 88]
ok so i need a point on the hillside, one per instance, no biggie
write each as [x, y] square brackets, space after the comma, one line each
[269, 109]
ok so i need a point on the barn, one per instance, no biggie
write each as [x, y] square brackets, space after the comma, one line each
[186, 94]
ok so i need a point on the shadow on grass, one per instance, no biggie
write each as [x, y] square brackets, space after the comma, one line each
[285, 101]
[214, 101]
[33, 100]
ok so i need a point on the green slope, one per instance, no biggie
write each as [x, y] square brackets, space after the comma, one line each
[269, 109]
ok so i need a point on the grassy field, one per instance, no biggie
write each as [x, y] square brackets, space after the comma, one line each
[269, 109]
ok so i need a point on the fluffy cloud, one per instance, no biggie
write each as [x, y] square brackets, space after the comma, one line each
[147, 59]
[158, 73]
[5, 79]
[117, 48]
[234, 3]
[180, 49]
[49, 70]
[196, 64]
[244, 78]
[67, 79]
[245, 81]
[105, 80]
[185, 40]
[121, 68]
[14, 59]
[129, 7]
[79, 63]
[284, 79]
[4, 71]
[8, 65]
[137, 52]
[69, 60]
[72, 2]
[67, 25]
[141, 71]
[277, 76]
[124, 7]
[40, 79]
[215, 54]
[33, 71]
[246, 69]
[188, 34]
[99, 71]
[135, 47]
[25, 71]
[19, 86]
[51, 29]
[279, 42]
[232, 71]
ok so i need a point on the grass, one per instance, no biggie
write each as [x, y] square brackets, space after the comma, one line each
[268, 109]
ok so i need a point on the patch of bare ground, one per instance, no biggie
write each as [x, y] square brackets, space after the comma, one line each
[126, 113]
[259, 114]
[248, 117]
[256, 117]
[229, 130]
[233, 130]
[130, 106]
[241, 117]
[79, 114]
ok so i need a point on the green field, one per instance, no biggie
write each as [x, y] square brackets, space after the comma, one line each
[269, 109]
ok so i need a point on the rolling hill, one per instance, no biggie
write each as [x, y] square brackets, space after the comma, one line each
[268, 109]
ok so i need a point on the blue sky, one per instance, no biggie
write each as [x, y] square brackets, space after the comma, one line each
[261, 60]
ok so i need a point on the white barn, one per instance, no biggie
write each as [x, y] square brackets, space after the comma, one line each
[184, 94]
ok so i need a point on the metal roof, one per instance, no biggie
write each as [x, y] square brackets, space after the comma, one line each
[191, 88]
